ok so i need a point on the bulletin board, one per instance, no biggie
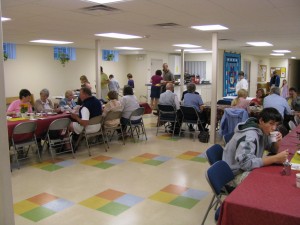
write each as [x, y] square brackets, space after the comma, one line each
[262, 73]
[232, 66]
[281, 71]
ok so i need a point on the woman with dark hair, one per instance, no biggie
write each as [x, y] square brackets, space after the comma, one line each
[85, 82]
[23, 101]
[260, 94]
[129, 103]
[155, 88]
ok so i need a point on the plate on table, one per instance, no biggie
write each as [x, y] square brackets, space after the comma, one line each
[51, 113]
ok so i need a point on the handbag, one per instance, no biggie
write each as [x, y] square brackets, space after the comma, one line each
[203, 136]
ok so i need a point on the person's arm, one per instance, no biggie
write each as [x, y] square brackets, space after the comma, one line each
[177, 104]
[277, 81]
[38, 106]
[84, 121]
[278, 158]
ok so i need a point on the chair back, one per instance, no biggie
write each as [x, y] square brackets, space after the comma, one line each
[214, 153]
[60, 124]
[138, 112]
[227, 137]
[167, 112]
[297, 120]
[218, 175]
[189, 114]
[292, 125]
[223, 102]
[95, 120]
[24, 128]
[112, 115]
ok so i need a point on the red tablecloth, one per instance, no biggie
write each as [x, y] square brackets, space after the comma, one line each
[42, 124]
[265, 196]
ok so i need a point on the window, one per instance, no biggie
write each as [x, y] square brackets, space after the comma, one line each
[110, 55]
[196, 68]
[71, 52]
[9, 49]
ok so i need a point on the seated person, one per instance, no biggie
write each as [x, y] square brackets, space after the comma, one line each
[24, 99]
[244, 151]
[293, 99]
[91, 107]
[129, 103]
[170, 98]
[112, 105]
[258, 101]
[43, 104]
[68, 102]
[195, 100]
[240, 101]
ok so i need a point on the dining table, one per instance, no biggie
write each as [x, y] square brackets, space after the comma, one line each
[266, 196]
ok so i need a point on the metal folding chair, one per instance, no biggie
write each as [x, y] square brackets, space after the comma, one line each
[137, 127]
[167, 116]
[110, 130]
[23, 136]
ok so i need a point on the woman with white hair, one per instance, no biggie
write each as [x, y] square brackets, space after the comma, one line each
[43, 104]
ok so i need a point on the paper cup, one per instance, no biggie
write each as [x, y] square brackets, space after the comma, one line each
[273, 135]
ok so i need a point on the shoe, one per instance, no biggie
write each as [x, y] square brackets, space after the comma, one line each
[155, 113]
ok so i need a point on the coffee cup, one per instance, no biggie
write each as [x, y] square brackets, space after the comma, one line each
[298, 180]
[31, 116]
[273, 136]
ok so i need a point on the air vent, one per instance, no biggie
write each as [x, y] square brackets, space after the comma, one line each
[248, 46]
[100, 8]
[225, 39]
[167, 25]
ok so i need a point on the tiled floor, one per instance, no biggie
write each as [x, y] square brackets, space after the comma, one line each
[155, 182]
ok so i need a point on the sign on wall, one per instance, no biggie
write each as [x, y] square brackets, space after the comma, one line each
[281, 71]
[232, 66]
[262, 73]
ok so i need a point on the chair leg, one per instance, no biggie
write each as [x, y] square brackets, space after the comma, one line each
[16, 157]
[211, 205]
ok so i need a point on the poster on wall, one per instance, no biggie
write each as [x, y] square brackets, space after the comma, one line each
[262, 73]
[281, 71]
[232, 66]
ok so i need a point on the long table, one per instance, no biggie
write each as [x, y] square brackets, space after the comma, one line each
[265, 196]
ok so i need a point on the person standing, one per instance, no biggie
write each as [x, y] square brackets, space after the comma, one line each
[275, 80]
[130, 80]
[284, 89]
[155, 88]
[104, 83]
[168, 77]
[242, 82]
[113, 84]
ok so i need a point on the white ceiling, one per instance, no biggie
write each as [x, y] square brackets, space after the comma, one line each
[274, 21]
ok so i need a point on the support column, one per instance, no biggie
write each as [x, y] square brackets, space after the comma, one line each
[98, 58]
[213, 114]
[182, 74]
[6, 199]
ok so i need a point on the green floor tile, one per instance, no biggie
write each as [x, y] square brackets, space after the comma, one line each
[153, 162]
[38, 214]
[113, 208]
[52, 167]
[184, 202]
[199, 159]
[104, 165]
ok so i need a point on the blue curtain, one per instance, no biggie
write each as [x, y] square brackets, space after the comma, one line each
[232, 66]
[71, 52]
[10, 50]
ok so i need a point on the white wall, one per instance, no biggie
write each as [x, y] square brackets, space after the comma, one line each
[202, 57]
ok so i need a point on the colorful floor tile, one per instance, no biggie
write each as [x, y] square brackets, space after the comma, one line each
[150, 159]
[168, 137]
[193, 156]
[179, 196]
[41, 206]
[51, 165]
[111, 202]
[102, 162]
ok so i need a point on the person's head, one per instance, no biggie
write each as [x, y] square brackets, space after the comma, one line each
[275, 90]
[85, 93]
[25, 95]
[69, 95]
[191, 87]
[165, 67]
[260, 93]
[241, 75]
[112, 95]
[101, 69]
[129, 76]
[44, 94]
[83, 79]
[284, 82]
[242, 93]
[292, 92]
[268, 120]
[111, 76]
[127, 90]
[158, 72]
[170, 87]
[274, 73]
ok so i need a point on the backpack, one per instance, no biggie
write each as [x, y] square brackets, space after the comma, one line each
[203, 136]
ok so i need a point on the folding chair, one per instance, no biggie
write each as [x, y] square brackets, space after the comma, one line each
[137, 127]
[23, 136]
[297, 120]
[108, 130]
[214, 153]
[223, 102]
[292, 125]
[58, 137]
[227, 137]
[217, 176]
[190, 116]
[167, 114]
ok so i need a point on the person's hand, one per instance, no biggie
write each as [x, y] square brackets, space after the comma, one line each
[278, 137]
[281, 157]
[74, 116]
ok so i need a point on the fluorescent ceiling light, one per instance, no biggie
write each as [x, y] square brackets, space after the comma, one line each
[128, 48]
[52, 42]
[277, 54]
[199, 50]
[281, 51]
[293, 57]
[102, 1]
[210, 27]
[259, 44]
[187, 46]
[5, 19]
[117, 35]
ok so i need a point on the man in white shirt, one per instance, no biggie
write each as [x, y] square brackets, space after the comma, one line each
[242, 83]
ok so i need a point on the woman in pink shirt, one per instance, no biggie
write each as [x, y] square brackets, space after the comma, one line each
[15, 106]
[240, 101]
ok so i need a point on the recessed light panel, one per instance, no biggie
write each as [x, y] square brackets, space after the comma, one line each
[293, 57]
[281, 51]
[5, 19]
[52, 42]
[187, 46]
[210, 27]
[259, 44]
[199, 50]
[117, 35]
[277, 54]
[102, 1]
[128, 48]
